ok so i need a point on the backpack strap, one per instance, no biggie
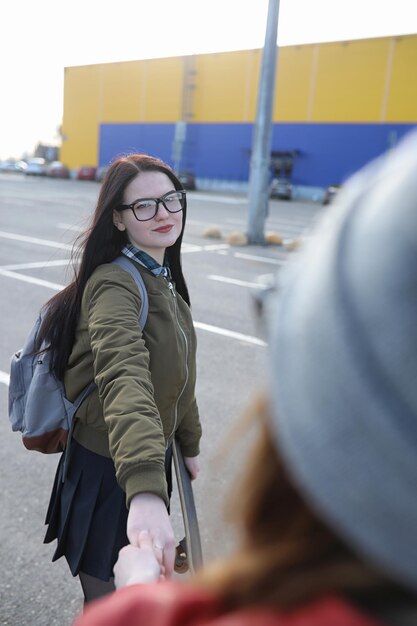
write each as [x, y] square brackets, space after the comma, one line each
[72, 408]
[82, 396]
[127, 265]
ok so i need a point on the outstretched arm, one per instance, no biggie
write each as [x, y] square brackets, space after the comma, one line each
[148, 513]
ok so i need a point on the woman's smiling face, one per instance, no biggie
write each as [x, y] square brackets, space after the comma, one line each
[154, 235]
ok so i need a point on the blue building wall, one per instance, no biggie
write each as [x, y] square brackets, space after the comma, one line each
[327, 153]
[118, 139]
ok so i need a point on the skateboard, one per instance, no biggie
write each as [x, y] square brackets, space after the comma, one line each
[185, 491]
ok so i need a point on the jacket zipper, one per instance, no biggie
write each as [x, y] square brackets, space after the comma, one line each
[174, 295]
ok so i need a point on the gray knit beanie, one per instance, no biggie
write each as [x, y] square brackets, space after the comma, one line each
[343, 369]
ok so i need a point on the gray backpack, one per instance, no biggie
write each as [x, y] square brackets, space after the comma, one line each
[38, 407]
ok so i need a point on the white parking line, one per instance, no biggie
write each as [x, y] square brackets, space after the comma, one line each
[222, 199]
[35, 265]
[235, 281]
[262, 259]
[190, 247]
[4, 378]
[77, 229]
[31, 279]
[36, 240]
[213, 247]
[229, 333]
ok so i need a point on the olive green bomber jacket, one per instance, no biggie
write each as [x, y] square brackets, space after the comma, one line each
[145, 381]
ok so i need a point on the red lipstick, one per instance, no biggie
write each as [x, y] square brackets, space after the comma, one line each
[163, 229]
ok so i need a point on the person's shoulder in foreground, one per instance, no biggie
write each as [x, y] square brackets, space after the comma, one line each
[178, 604]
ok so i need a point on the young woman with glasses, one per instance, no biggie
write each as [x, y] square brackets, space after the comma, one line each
[118, 480]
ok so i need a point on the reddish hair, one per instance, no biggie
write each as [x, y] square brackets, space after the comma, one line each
[287, 556]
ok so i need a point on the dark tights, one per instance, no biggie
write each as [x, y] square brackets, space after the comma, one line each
[94, 588]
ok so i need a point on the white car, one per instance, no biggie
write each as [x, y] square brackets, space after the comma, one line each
[12, 166]
[36, 167]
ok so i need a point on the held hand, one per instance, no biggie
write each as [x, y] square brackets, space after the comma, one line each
[192, 463]
[148, 513]
[137, 564]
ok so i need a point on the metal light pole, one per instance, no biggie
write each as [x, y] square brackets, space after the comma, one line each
[261, 145]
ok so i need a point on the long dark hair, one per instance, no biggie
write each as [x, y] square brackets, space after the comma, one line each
[102, 243]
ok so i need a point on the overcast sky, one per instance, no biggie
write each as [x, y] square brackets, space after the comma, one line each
[38, 39]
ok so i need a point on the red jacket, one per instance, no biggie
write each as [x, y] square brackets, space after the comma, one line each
[179, 604]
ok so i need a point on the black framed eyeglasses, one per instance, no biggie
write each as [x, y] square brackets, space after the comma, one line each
[145, 209]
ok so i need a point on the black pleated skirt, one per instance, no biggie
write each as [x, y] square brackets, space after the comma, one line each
[87, 513]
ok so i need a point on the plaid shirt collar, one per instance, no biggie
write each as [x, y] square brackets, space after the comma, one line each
[145, 260]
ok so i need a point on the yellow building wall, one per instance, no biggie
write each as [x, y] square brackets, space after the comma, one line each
[226, 86]
[162, 98]
[81, 114]
[369, 81]
[142, 91]
[401, 105]
[136, 91]
[121, 91]
[293, 86]
[350, 80]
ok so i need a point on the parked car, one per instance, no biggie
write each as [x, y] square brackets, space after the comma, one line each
[86, 172]
[281, 188]
[101, 172]
[330, 193]
[16, 167]
[20, 166]
[36, 167]
[56, 169]
[187, 180]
